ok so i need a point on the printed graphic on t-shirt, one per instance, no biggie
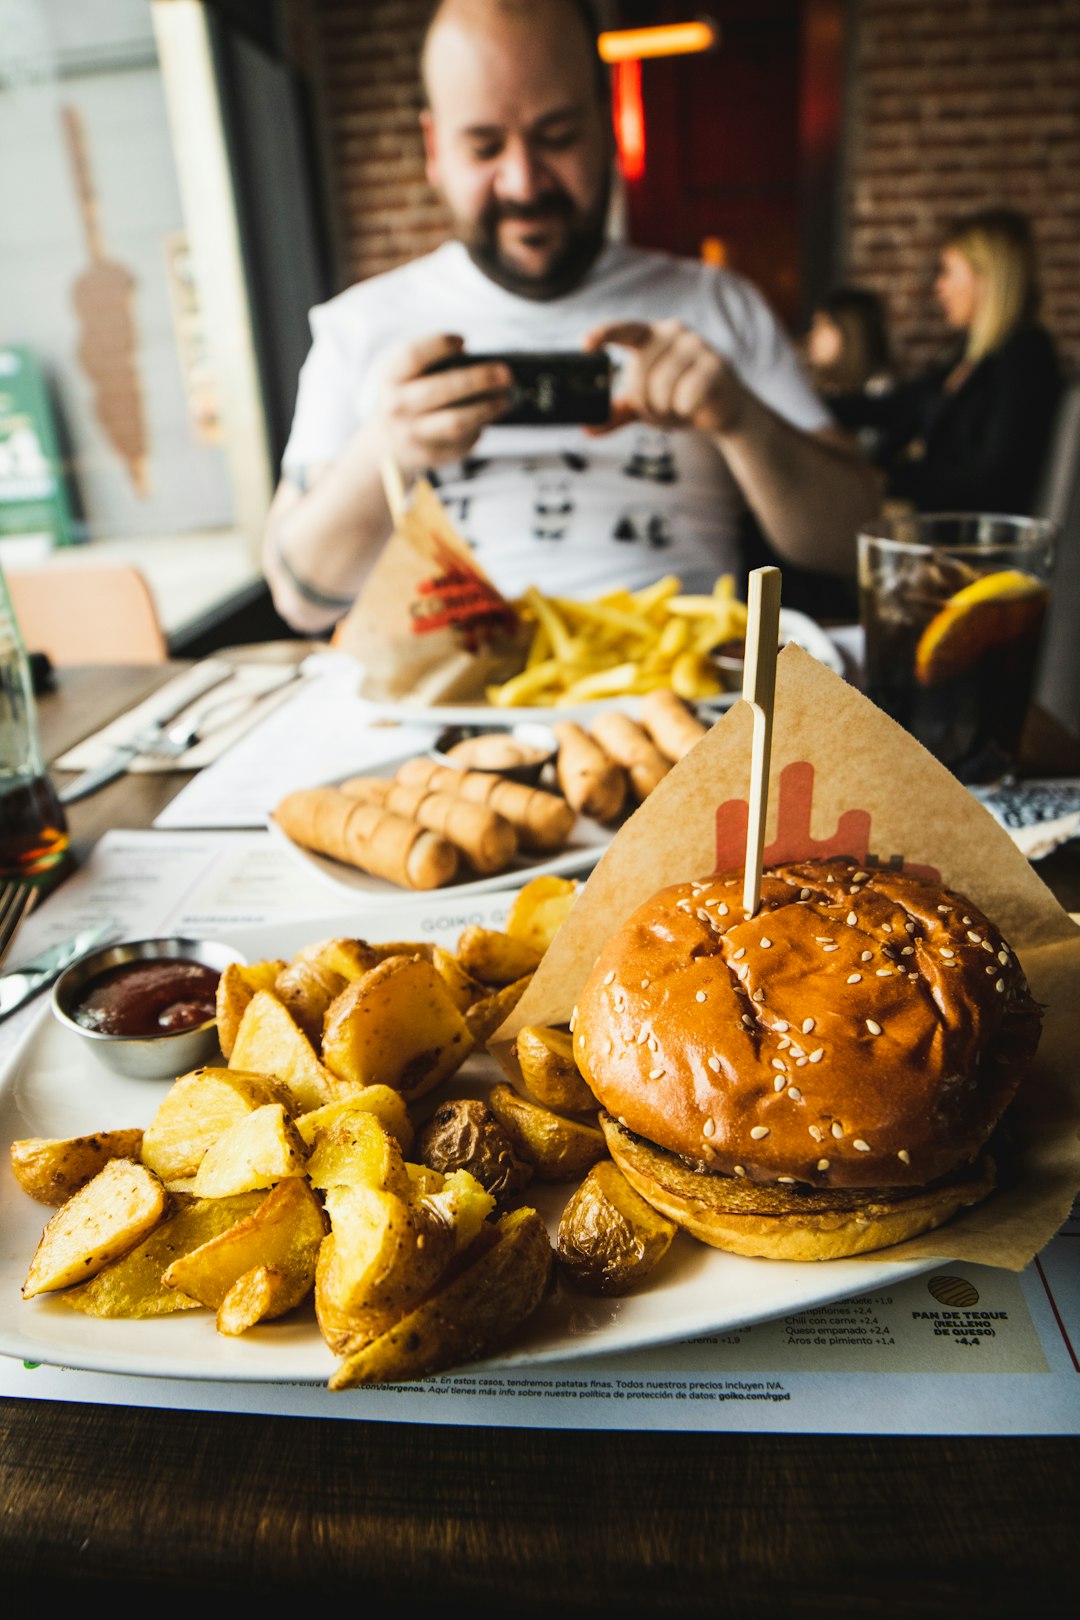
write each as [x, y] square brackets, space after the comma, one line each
[652, 456]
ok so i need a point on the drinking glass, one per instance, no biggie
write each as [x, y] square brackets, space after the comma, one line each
[952, 606]
[33, 828]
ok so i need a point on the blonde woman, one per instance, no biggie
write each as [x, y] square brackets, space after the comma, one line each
[971, 433]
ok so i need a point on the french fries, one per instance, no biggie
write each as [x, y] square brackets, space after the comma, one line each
[625, 642]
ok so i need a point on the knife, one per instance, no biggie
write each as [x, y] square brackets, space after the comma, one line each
[22, 984]
[98, 776]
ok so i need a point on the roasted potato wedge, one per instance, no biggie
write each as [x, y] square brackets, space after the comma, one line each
[540, 908]
[270, 1041]
[236, 986]
[257, 1296]
[132, 1285]
[495, 958]
[355, 1149]
[486, 1015]
[389, 1251]
[196, 1110]
[388, 1106]
[396, 1025]
[500, 1282]
[609, 1238]
[348, 958]
[108, 1216]
[282, 1236]
[256, 1152]
[463, 988]
[558, 1148]
[51, 1169]
[546, 1059]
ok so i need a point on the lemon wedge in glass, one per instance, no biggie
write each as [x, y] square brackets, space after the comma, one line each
[990, 612]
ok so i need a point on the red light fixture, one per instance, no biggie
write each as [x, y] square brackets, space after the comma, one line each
[629, 114]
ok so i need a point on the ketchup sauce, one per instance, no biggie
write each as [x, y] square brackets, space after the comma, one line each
[149, 998]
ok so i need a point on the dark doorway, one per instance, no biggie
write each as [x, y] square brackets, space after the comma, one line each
[743, 144]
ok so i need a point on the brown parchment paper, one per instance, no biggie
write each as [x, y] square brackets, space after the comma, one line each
[429, 626]
[845, 779]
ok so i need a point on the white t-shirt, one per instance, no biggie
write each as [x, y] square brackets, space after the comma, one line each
[550, 506]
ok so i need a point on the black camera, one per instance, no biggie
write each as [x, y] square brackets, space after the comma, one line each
[549, 390]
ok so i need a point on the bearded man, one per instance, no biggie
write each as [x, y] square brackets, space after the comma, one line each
[711, 418]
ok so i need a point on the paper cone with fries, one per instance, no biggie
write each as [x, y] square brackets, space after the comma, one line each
[839, 1061]
[429, 625]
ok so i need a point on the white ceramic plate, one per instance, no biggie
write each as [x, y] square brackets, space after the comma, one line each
[51, 1087]
[584, 848]
[797, 627]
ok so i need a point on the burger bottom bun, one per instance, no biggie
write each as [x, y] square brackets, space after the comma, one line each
[772, 1223]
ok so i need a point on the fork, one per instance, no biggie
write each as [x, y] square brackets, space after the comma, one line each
[16, 897]
[186, 732]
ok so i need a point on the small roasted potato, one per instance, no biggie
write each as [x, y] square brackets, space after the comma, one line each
[540, 908]
[235, 988]
[485, 1302]
[132, 1285]
[196, 1110]
[609, 1238]
[282, 1235]
[494, 957]
[51, 1169]
[464, 1134]
[546, 1059]
[396, 1025]
[108, 1216]
[307, 989]
[559, 1149]
[270, 1041]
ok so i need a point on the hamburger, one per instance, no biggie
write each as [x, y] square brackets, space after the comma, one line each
[818, 1080]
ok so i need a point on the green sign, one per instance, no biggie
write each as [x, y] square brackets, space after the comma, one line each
[33, 491]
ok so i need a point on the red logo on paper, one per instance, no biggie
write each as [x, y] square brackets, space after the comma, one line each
[458, 598]
[793, 841]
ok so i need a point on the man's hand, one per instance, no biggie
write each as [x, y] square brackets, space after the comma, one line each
[424, 421]
[672, 380]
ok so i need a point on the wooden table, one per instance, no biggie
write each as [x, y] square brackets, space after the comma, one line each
[522, 1522]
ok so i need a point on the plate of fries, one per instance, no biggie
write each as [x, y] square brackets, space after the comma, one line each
[116, 1312]
[587, 655]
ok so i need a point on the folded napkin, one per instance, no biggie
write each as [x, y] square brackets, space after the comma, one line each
[248, 693]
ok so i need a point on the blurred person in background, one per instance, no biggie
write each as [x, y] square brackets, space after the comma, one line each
[971, 432]
[713, 416]
[847, 346]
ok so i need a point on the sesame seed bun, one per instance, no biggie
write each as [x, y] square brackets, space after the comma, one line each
[862, 1033]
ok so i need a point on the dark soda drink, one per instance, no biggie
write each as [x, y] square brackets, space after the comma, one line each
[33, 827]
[955, 668]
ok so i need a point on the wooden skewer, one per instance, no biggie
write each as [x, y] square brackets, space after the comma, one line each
[394, 488]
[759, 690]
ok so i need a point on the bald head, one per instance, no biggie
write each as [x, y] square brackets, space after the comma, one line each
[518, 139]
[574, 20]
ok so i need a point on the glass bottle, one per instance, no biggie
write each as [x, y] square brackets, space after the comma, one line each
[33, 827]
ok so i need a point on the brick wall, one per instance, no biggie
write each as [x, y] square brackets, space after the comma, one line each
[956, 104]
[953, 104]
[371, 100]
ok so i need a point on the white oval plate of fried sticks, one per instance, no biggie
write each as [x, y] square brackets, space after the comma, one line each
[587, 842]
